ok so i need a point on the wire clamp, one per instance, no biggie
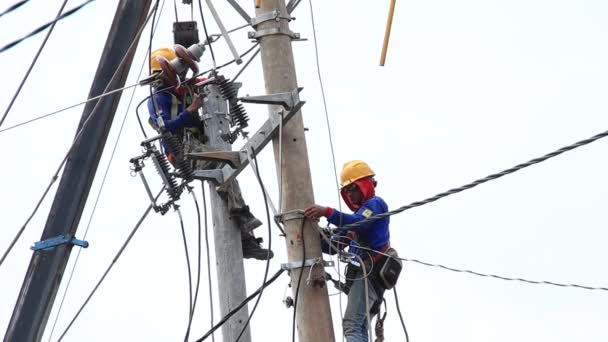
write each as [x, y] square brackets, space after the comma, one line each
[268, 16]
[273, 31]
[59, 240]
[297, 214]
[310, 262]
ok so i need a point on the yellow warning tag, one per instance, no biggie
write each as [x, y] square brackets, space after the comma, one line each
[367, 213]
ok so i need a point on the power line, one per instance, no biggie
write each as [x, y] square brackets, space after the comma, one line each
[479, 181]
[103, 277]
[240, 306]
[43, 27]
[14, 7]
[78, 135]
[259, 178]
[29, 70]
[200, 7]
[407, 337]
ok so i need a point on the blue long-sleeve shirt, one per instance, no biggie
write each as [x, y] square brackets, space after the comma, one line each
[173, 121]
[374, 235]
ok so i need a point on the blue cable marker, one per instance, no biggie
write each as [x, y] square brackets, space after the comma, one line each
[59, 240]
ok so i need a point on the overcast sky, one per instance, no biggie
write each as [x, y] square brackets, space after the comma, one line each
[470, 88]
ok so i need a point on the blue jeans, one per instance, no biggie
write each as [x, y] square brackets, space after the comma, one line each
[355, 318]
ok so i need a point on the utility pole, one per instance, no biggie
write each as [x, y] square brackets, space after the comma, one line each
[313, 310]
[47, 265]
[227, 237]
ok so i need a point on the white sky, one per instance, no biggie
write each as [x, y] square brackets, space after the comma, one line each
[470, 88]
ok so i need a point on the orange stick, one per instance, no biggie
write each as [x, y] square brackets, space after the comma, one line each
[387, 33]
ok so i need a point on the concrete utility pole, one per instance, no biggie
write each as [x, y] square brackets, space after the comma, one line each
[227, 236]
[313, 310]
[47, 265]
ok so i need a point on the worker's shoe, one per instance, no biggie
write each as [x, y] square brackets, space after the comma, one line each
[253, 250]
[245, 219]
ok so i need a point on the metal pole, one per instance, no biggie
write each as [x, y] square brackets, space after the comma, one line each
[313, 310]
[226, 234]
[47, 266]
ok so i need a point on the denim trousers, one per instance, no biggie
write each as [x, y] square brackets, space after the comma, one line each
[354, 323]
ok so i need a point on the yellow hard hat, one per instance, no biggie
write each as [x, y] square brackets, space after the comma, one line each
[168, 53]
[353, 171]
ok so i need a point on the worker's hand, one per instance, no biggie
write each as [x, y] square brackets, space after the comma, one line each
[315, 211]
[197, 103]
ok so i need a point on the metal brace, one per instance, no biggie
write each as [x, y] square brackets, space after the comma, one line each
[272, 31]
[310, 262]
[59, 240]
[268, 16]
[216, 175]
[287, 100]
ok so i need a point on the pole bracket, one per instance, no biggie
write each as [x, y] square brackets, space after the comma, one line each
[273, 31]
[288, 100]
[297, 214]
[268, 16]
[216, 175]
[59, 240]
[310, 262]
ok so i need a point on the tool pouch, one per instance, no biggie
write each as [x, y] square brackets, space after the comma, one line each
[390, 268]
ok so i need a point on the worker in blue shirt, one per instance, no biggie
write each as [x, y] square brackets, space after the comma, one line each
[179, 109]
[358, 191]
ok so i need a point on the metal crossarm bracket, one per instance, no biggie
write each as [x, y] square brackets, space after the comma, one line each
[216, 175]
[241, 11]
[257, 142]
[59, 240]
[287, 100]
[271, 31]
[268, 16]
[231, 158]
[292, 5]
[310, 262]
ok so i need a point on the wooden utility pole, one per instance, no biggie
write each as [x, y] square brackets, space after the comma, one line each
[47, 265]
[313, 310]
[227, 236]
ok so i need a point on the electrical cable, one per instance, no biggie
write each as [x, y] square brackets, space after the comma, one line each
[29, 69]
[240, 306]
[122, 248]
[14, 7]
[191, 299]
[198, 275]
[103, 182]
[200, 7]
[246, 65]
[208, 258]
[175, 7]
[118, 90]
[43, 27]
[331, 143]
[259, 178]
[78, 135]
[407, 338]
[295, 301]
[479, 181]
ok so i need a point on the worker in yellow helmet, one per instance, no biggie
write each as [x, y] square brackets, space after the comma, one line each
[358, 191]
[179, 109]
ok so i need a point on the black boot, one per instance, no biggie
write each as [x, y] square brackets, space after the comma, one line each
[245, 219]
[252, 248]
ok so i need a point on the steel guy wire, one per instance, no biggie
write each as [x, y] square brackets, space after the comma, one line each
[43, 27]
[29, 69]
[14, 7]
[78, 135]
[479, 181]
[103, 277]
[488, 275]
[101, 187]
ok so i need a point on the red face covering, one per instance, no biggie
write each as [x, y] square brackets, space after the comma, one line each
[366, 186]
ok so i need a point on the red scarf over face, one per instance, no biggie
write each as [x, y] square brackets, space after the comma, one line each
[366, 186]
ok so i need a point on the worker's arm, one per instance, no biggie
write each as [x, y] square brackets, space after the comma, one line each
[371, 208]
[187, 118]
